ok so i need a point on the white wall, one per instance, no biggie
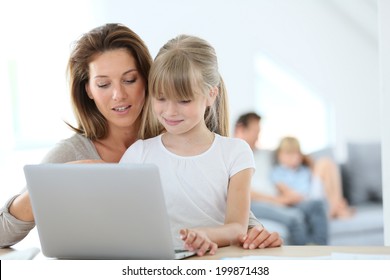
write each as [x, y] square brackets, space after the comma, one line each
[384, 47]
[332, 45]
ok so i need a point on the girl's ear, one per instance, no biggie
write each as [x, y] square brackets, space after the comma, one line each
[87, 89]
[212, 96]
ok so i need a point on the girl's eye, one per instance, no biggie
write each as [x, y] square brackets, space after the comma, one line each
[185, 101]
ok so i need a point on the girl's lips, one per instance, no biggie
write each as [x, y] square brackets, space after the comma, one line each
[172, 122]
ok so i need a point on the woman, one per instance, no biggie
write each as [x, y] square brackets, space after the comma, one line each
[108, 70]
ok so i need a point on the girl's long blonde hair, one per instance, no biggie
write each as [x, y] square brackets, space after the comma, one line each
[183, 66]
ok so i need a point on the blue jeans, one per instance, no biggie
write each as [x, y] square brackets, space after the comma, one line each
[306, 221]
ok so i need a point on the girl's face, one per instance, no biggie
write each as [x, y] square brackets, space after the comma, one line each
[117, 87]
[290, 159]
[181, 116]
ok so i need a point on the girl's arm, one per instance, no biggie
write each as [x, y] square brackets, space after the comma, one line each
[236, 219]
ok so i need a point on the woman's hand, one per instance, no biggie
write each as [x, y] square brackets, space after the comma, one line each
[259, 237]
[197, 240]
[87, 161]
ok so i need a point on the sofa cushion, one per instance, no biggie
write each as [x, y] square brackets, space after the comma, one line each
[364, 172]
[364, 228]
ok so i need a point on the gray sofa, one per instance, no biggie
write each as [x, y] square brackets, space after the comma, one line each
[362, 187]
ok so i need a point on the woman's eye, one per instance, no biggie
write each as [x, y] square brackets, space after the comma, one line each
[130, 81]
[102, 85]
[185, 101]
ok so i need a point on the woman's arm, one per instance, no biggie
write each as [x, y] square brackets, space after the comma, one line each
[258, 236]
[236, 218]
[12, 230]
[21, 209]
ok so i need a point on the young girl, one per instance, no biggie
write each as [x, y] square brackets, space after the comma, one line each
[292, 170]
[293, 177]
[320, 181]
[205, 175]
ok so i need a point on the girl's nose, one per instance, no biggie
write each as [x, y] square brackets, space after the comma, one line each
[171, 107]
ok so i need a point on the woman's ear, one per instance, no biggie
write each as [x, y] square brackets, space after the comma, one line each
[87, 89]
[212, 96]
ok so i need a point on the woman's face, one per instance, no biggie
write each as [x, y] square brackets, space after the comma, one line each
[117, 87]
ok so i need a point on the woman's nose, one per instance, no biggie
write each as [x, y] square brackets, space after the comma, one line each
[119, 93]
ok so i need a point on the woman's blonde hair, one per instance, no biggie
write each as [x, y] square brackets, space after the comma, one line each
[184, 65]
[90, 122]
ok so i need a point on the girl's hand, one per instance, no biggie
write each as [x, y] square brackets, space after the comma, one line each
[259, 237]
[290, 199]
[197, 240]
[288, 196]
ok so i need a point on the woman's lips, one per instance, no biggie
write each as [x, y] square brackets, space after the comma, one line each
[121, 109]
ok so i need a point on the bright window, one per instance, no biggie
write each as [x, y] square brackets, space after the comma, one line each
[290, 107]
[37, 37]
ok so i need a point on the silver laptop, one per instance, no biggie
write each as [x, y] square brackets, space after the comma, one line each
[100, 211]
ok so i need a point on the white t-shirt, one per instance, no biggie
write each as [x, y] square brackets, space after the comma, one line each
[195, 187]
